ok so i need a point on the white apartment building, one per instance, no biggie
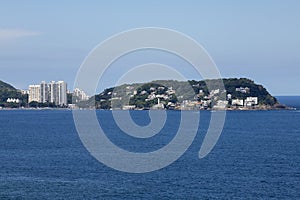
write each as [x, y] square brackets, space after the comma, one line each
[34, 93]
[54, 92]
[80, 94]
[61, 93]
[44, 92]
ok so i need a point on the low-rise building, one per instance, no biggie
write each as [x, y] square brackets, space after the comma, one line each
[251, 101]
[237, 102]
[24, 91]
[221, 104]
[243, 90]
[13, 100]
[128, 107]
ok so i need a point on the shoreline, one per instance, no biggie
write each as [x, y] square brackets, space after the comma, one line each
[212, 110]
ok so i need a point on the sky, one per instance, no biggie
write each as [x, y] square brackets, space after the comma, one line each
[49, 40]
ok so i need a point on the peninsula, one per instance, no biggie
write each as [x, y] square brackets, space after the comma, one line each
[236, 94]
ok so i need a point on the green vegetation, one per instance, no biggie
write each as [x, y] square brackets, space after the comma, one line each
[35, 104]
[139, 95]
[6, 86]
[255, 90]
[169, 93]
[8, 91]
[265, 98]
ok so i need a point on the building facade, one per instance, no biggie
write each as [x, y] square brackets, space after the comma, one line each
[80, 94]
[54, 92]
[61, 93]
[34, 93]
[44, 92]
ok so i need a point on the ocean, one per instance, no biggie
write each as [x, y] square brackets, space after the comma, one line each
[256, 157]
[292, 101]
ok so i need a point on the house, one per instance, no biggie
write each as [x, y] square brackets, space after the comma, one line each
[243, 90]
[237, 102]
[221, 104]
[251, 101]
[129, 107]
[12, 100]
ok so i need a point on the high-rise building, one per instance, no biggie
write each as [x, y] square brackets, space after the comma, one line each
[54, 92]
[62, 93]
[80, 94]
[44, 92]
[34, 93]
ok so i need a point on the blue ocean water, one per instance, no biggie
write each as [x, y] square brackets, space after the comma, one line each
[257, 157]
[291, 101]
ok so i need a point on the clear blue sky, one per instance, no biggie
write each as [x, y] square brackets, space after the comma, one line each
[48, 40]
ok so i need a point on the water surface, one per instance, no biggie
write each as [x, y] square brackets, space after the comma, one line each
[257, 157]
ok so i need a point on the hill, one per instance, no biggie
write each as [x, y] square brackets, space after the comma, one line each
[237, 94]
[6, 86]
[9, 92]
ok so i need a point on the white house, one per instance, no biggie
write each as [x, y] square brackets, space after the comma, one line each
[12, 100]
[237, 102]
[250, 101]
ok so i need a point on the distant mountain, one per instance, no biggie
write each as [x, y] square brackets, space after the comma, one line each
[7, 91]
[172, 94]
